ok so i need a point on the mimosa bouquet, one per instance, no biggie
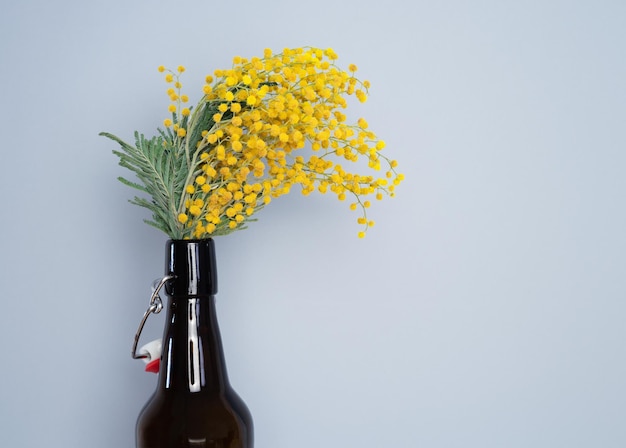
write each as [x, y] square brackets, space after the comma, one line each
[261, 128]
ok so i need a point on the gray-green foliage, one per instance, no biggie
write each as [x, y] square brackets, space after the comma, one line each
[161, 173]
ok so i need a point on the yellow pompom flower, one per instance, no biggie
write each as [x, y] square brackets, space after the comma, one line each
[242, 144]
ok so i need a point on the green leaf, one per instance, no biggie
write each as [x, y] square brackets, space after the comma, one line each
[133, 184]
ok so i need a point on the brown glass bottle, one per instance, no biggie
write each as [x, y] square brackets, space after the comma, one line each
[194, 404]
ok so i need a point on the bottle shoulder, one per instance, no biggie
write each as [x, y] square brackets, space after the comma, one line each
[208, 402]
[221, 418]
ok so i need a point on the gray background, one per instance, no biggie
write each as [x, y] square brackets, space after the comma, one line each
[485, 308]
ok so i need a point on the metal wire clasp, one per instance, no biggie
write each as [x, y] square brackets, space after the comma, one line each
[155, 306]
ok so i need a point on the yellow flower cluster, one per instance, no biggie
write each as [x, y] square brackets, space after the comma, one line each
[269, 124]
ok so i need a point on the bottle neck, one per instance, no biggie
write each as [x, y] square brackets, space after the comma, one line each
[193, 357]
